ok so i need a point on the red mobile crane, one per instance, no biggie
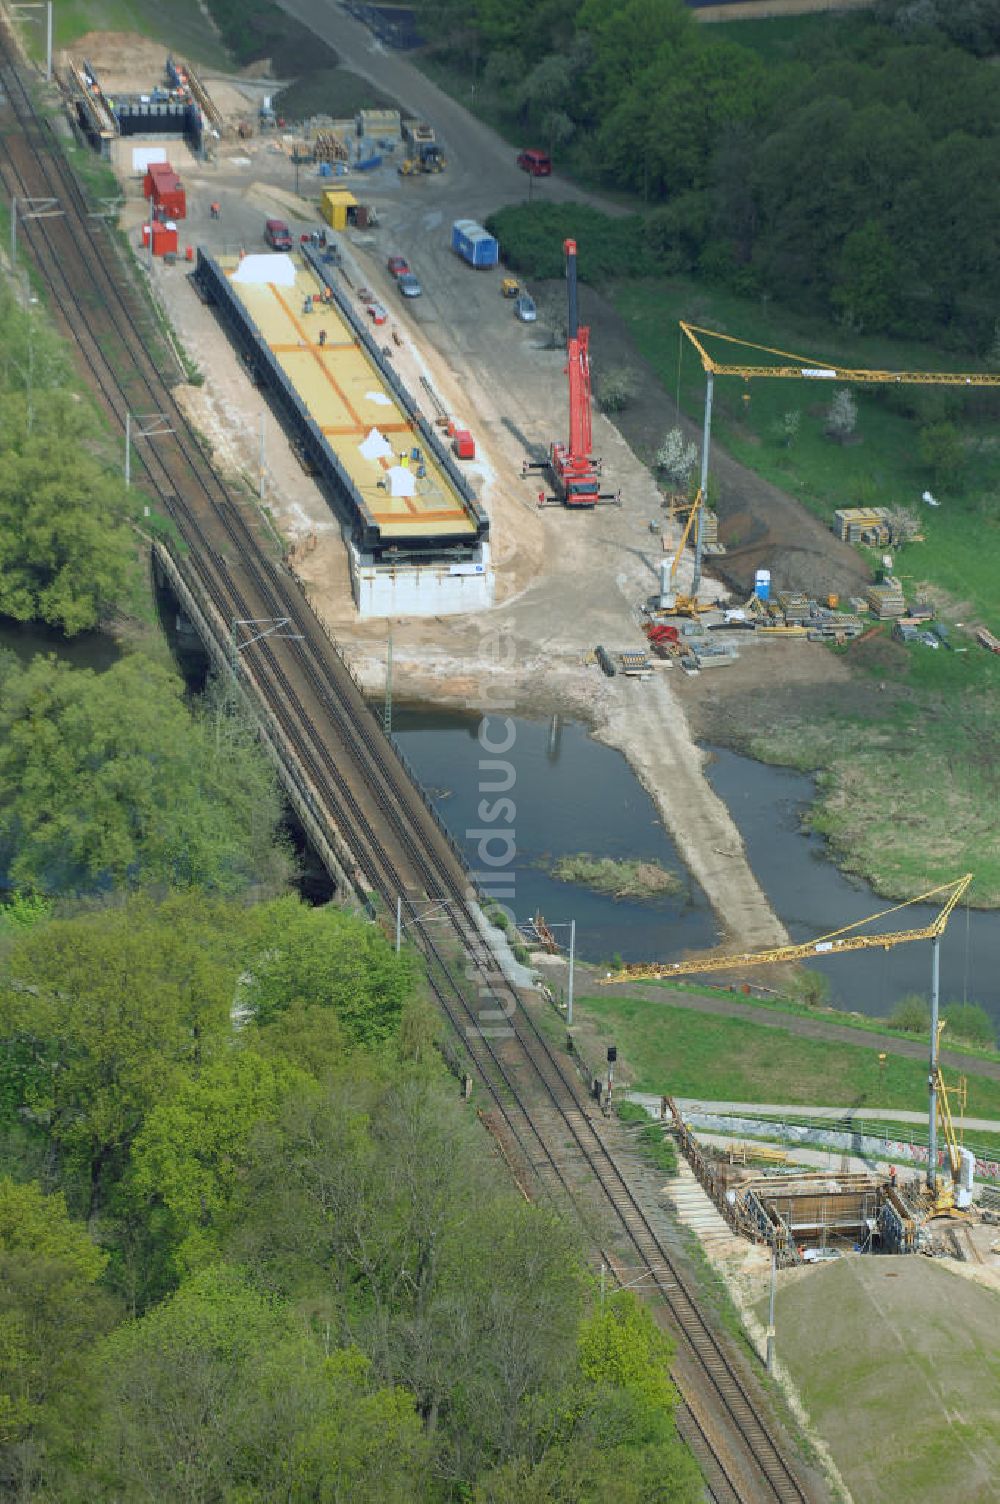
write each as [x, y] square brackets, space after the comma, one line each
[574, 472]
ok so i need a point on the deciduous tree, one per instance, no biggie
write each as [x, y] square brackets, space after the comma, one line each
[109, 780]
[50, 1312]
[99, 1015]
[66, 553]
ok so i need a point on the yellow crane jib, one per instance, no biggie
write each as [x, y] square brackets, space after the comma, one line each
[832, 944]
[806, 368]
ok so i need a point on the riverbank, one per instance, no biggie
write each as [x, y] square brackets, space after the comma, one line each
[568, 581]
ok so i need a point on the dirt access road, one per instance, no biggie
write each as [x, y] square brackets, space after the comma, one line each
[763, 526]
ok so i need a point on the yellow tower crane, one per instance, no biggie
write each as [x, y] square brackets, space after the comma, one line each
[838, 942]
[955, 1195]
[670, 601]
[788, 366]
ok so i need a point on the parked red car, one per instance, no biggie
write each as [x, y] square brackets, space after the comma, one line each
[398, 266]
[536, 163]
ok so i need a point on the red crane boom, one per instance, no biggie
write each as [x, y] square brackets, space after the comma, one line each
[577, 366]
[574, 472]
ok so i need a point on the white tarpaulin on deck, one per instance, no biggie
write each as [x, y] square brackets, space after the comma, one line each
[274, 267]
[402, 482]
[375, 446]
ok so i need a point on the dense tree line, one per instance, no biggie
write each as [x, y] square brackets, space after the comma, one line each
[113, 780]
[67, 555]
[853, 173]
[253, 1246]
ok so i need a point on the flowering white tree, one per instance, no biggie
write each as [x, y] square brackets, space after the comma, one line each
[675, 458]
[842, 415]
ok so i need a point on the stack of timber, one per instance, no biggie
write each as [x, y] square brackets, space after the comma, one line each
[834, 626]
[713, 654]
[635, 665]
[886, 600]
[710, 533]
[863, 525]
[328, 147]
[796, 615]
[986, 639]
[796, 608]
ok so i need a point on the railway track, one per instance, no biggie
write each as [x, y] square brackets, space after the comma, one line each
[309, 693]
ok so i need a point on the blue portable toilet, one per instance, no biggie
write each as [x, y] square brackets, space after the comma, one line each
[762, 584]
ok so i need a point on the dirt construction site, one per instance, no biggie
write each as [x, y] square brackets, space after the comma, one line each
[566, 581]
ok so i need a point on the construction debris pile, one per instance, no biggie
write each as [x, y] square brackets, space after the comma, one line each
[886, 600]
[792, 614]
[863, 525]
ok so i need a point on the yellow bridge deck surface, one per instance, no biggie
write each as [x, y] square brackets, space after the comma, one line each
[345, 394]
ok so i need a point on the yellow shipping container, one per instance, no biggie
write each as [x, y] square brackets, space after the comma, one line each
[336, 205]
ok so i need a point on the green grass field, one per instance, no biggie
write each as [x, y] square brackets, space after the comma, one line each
[863, 1023]
[688, 1054]
[897, 1364]
[180, 26]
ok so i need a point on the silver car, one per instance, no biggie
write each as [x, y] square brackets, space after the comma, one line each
[408, 285]
[525, 309]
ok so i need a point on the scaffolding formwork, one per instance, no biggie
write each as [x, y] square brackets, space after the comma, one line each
[792, 1210]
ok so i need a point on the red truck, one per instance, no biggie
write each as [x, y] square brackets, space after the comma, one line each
[277, 235]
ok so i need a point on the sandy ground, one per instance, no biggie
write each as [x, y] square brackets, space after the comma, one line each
[566, 581]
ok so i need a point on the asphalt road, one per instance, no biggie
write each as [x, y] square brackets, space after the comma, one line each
[482, 173]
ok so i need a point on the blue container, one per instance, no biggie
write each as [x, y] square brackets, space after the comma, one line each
[474, 244]
[369, 162]
[762, 584]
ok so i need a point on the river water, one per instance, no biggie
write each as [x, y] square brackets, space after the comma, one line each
[570, 795]
[573, 794]
[812, 897]
[96, 650]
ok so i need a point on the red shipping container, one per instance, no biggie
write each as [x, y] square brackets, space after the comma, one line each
[464, 444]
[164, 237]
[153, 172]
[164, 187]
